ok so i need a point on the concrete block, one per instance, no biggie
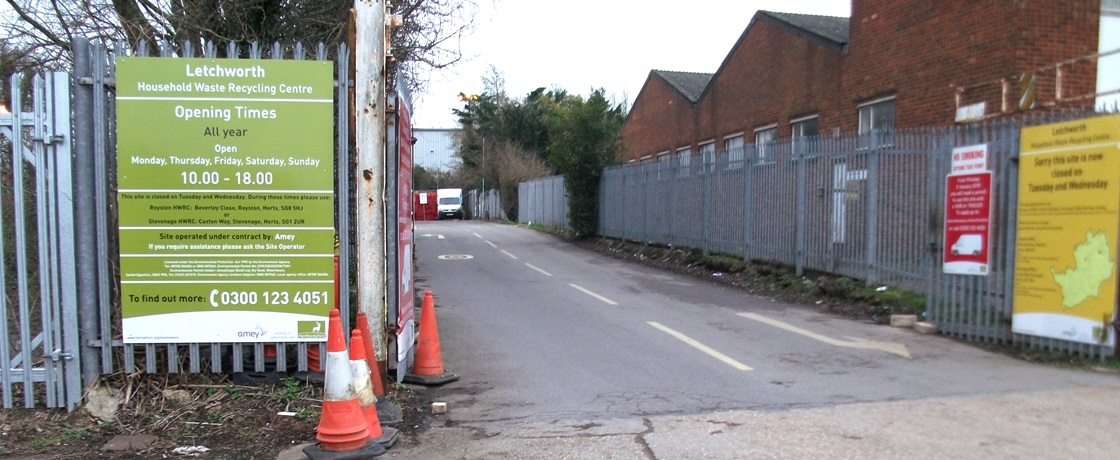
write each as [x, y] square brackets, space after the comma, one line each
[439, 408]
[129, 442]
[925, 328]
[903, 320]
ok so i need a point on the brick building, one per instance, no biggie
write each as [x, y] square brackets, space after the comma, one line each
[892, 65]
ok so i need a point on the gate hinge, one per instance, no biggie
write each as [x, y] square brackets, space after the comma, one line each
[59, 355]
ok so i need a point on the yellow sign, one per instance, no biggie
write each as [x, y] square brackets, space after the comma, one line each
[1066, 235]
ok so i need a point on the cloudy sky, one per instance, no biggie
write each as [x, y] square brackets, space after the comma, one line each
[578, 45]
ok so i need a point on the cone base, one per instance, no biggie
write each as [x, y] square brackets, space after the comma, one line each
[387, 412]
[438, 379]
[389, 436]
[371, 449]
[310, 377]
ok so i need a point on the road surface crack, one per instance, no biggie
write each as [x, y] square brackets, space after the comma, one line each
[640, 439]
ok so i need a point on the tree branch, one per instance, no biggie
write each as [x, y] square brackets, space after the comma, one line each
[39, 26]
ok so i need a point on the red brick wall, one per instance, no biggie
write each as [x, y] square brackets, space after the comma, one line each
[771, 77]
[661, 119]
[918, 50]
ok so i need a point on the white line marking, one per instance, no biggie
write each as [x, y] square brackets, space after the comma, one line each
[476, 235]
[527, 264]
[508, 254]
[492, 244]
[895, 348]
[597, 296]
[439, 237]
[699, 346]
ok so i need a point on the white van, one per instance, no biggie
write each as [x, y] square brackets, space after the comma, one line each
[449, 203]
[968, 244]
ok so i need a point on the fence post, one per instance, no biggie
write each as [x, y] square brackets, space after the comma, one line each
[84, 208]
[706, 179]
[934, 216]
[646, 207]
[674, 170]
[872, 221]
[802, 218]
[748, 206]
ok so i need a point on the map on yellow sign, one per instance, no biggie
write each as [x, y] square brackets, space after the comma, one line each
[1068, 217]
[1094, 266]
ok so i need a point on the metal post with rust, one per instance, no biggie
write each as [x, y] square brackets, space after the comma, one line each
[369, 112]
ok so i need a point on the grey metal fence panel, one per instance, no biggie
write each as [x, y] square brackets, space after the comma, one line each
[869, 206]
[485, 205]
[39, 341]
[543, 202]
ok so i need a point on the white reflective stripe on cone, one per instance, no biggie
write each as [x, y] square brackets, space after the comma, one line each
[338, 387]
[362, 384]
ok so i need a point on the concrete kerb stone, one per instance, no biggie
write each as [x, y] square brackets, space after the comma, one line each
[903, 320]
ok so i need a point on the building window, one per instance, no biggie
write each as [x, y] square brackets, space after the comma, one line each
[663, 165]
[684, 154]
[804, 129]
[733, 145]
[1108, 67]
[764, 139]
[708, 155]
[877, 117]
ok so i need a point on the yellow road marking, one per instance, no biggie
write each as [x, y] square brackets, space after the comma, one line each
[699, 346]
[895, 348]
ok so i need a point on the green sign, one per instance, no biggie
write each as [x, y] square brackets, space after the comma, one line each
[225, 178]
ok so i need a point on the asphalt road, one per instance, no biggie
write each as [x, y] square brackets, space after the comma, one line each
[564, 353]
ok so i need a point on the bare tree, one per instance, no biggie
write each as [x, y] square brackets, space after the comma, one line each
[428, 39]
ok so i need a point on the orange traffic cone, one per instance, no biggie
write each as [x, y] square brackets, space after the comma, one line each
[359, 366]
[428, 367]
[375, 372]
[343, 432]
[313, 358]
[387, 412]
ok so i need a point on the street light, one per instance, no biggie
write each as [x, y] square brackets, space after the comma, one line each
[432, 154]
[470, 99]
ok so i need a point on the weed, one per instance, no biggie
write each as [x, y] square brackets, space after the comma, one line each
[307, 414]
[74, 433]
[725, 264]
[293, 391]
[46, 441]
[907, 301]
[233, 391]
[216, 416]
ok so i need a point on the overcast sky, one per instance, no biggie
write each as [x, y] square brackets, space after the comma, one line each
[578, 45]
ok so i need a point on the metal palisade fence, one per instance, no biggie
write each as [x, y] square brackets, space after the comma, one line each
[39, 340]
[543, 202]
[62, 317]
[868, 206]
[485, 205]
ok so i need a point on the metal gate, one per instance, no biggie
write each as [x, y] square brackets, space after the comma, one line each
[39, 341]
